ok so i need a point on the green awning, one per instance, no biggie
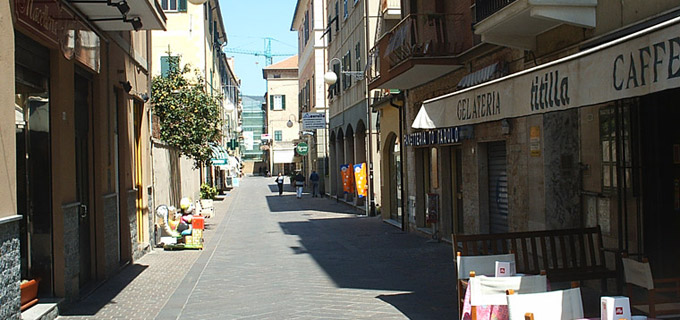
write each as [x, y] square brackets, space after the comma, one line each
[220, 156]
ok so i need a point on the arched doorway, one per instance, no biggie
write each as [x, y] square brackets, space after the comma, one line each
[349, 155]
[340, 156]
[332, 164]
[360, 151]
[391, 164]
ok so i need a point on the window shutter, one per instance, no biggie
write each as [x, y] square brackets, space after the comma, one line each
[283, 102]
[165, 66]
[182, 5]
[271, 102]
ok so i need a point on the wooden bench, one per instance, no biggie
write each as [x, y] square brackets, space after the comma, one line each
[565, 255]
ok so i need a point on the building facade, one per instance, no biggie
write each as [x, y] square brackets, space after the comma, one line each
[352, 135]
[283, 126]
[253, 117]
[309, 20]
[545, 124]
[195, 37]
[77, 169]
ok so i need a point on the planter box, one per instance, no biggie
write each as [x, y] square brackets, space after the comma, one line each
[29, 294]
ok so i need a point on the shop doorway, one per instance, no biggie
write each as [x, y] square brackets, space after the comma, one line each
[393, 152]
[82, 105]
[139, 204]
[33, 161]
[660, 156]
[456, 191]
[498, 187]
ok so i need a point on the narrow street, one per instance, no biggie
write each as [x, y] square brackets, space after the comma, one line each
[271, 257]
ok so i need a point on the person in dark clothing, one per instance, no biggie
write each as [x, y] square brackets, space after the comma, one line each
[299, 184]
[314, 178]
[279, 182]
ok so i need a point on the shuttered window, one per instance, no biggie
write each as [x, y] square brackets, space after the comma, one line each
[277, 102]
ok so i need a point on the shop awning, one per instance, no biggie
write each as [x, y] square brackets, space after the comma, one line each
[634, 65]
[485, 74]
[220, 156]
[284, 156]
[123, 15]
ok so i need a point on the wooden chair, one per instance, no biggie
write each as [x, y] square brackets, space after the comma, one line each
[491, 291]
[481, 265]
[662, 297]
[560, 304]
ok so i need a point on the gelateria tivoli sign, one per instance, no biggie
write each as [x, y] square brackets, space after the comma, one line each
[635, 65]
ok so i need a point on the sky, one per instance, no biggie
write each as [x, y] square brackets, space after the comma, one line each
[248, 23]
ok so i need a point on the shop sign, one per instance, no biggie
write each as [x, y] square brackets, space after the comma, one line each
[58, 26]
[438, 136]
[635, 65]
[302, 148]
[535, 141]
[313, 120]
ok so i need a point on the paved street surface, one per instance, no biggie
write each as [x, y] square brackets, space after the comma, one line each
[271, 257]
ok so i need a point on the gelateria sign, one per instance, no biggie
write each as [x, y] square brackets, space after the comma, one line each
[635, 65]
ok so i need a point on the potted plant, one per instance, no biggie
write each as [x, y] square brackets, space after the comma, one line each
[29, 293]
[208, 193]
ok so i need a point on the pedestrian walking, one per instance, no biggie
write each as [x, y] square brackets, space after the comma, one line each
[314, 178]
[279, 183]
[299, 183]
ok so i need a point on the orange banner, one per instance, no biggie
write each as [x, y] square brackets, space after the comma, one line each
[347, 181]
[360, 178]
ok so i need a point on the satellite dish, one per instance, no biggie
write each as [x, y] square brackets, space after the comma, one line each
[198, 2]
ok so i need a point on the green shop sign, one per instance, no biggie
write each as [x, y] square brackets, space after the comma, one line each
[302, 148]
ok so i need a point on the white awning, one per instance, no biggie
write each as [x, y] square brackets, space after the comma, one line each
[635, 65]
[284, 156]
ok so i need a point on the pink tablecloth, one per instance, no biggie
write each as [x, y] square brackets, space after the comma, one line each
[483, 312]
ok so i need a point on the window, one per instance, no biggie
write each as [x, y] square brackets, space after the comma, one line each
[306, 27]
[357, 57]
[174, 5]
[337, 12]
[345, 13]
[278, 135]
[277, 102]
[346, 64]
[168, 64]
[614, 136]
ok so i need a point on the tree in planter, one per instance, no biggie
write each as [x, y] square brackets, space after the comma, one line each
[189, 116]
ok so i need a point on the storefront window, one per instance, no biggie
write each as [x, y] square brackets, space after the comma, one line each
[614, 136]
[32, 128]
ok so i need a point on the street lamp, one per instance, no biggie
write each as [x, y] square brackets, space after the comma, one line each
[331, 78]
[289, 124]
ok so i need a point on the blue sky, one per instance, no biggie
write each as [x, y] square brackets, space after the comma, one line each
[247, 23]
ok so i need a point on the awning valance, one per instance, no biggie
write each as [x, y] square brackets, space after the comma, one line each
[635, 65]
[220, 156]
[284, 156]
[487, 73]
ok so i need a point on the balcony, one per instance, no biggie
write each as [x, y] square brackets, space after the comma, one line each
[123, 15]
[516, 23]
[419, 49]
[391, 9]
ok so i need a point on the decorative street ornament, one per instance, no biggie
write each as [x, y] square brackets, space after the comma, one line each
[198, 2]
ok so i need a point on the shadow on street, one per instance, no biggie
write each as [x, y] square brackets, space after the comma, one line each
[90, 305]
[367, 254]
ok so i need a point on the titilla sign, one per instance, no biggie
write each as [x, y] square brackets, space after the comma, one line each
[635, 65]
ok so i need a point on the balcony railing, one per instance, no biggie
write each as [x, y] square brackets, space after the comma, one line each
[422, 35]
[485, 8]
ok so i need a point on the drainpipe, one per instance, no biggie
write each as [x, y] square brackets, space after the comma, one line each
[371, 197]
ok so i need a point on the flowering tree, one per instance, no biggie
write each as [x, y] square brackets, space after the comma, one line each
[189, 116]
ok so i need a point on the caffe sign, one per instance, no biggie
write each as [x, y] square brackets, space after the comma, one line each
[47, 18]
[638, 64]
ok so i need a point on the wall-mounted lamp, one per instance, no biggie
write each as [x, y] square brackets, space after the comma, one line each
[505, 126]
[198, 2]
[289, 124]
[127, 86]
[122, 6]
[331, 78]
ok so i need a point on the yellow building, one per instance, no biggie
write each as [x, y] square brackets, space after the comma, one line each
[282, 118]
